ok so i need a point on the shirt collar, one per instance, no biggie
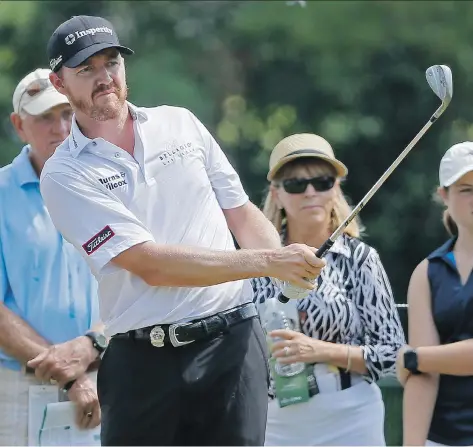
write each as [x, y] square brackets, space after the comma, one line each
[78, 141]
[443, 250]
[24, 171]
[340, 247]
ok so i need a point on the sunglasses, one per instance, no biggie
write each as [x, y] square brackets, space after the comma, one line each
[299, 185]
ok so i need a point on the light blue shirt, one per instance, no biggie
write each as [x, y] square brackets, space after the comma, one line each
[43, 278]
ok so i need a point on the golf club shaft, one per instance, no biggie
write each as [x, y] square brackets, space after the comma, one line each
[322, 251]
[330, 241]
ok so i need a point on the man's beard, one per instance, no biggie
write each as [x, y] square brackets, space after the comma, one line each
[101, 113]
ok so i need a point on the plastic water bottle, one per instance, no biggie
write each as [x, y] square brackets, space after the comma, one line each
[275, 317]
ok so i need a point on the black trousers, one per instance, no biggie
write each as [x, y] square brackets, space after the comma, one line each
[211, 392]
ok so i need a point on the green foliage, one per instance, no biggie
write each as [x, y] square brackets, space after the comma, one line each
[256, 71]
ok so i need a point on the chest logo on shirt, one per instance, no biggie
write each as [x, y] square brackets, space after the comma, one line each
[114, 181]
[175, 150]
[98, 240]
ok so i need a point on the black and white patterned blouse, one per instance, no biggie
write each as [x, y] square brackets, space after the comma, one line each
[352, 305]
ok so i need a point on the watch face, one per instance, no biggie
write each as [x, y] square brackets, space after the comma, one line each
[410, 360]
[101, 340]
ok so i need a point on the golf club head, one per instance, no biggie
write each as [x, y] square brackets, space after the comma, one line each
[440, 80]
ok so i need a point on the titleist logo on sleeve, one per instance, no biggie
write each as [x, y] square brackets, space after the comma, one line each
[98, 240]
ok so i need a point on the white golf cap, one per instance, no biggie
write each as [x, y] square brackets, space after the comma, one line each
[456, 162]
[35, 94]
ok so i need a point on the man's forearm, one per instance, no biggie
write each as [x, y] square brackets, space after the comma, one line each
[454, 359]
[174, 266]
[183, 266]
[251, 228]
[17, 338]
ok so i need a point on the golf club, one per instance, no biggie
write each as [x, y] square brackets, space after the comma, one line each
[440, 81]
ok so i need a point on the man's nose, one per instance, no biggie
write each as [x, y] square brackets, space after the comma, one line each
[104, 76]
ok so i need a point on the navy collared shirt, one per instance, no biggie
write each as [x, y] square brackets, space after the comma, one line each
[452, 309]
[43, 278]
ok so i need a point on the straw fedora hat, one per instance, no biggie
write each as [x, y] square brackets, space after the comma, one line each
[303, 145]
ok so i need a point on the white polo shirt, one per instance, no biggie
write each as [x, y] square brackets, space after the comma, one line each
[172, 191]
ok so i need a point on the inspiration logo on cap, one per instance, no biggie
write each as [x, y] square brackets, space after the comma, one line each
[79, 38]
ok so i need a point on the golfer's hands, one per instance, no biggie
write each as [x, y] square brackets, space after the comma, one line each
[64, 362]
[296, 264]
[84, 395]
[401, 372]
[296, 347]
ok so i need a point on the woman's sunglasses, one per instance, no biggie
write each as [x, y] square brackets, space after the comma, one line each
[299, 185]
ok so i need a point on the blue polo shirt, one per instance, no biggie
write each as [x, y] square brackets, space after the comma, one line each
[452, 309]
[43, 278]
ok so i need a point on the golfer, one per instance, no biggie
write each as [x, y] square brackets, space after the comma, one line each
[150, 200]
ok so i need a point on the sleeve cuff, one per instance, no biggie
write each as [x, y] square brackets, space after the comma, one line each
[229, 204]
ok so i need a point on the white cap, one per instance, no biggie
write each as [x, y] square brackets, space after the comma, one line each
[35, 94]
[456, 162]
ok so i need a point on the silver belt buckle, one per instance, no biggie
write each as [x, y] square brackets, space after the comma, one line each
[156, 337]
[172, 335]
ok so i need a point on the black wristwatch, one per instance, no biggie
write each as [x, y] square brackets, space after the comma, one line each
[411, 362]
[99, 341]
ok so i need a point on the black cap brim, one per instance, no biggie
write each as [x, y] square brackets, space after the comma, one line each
[84, 54]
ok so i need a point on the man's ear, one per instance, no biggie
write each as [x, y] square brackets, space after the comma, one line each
[57, 82]
[17, 123]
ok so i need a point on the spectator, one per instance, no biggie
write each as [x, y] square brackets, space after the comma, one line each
[438, 409]
[47, 292]
[350, 325]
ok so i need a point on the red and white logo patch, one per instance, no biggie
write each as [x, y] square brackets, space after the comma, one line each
[98, 240]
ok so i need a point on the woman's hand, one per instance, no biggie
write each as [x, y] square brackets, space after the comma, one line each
[297, 347]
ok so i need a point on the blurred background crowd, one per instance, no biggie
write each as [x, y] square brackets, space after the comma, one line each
[256, 71]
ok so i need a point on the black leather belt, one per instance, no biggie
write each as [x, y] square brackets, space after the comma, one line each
[180, 334]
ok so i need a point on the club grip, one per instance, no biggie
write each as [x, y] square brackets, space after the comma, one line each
[326, 246]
